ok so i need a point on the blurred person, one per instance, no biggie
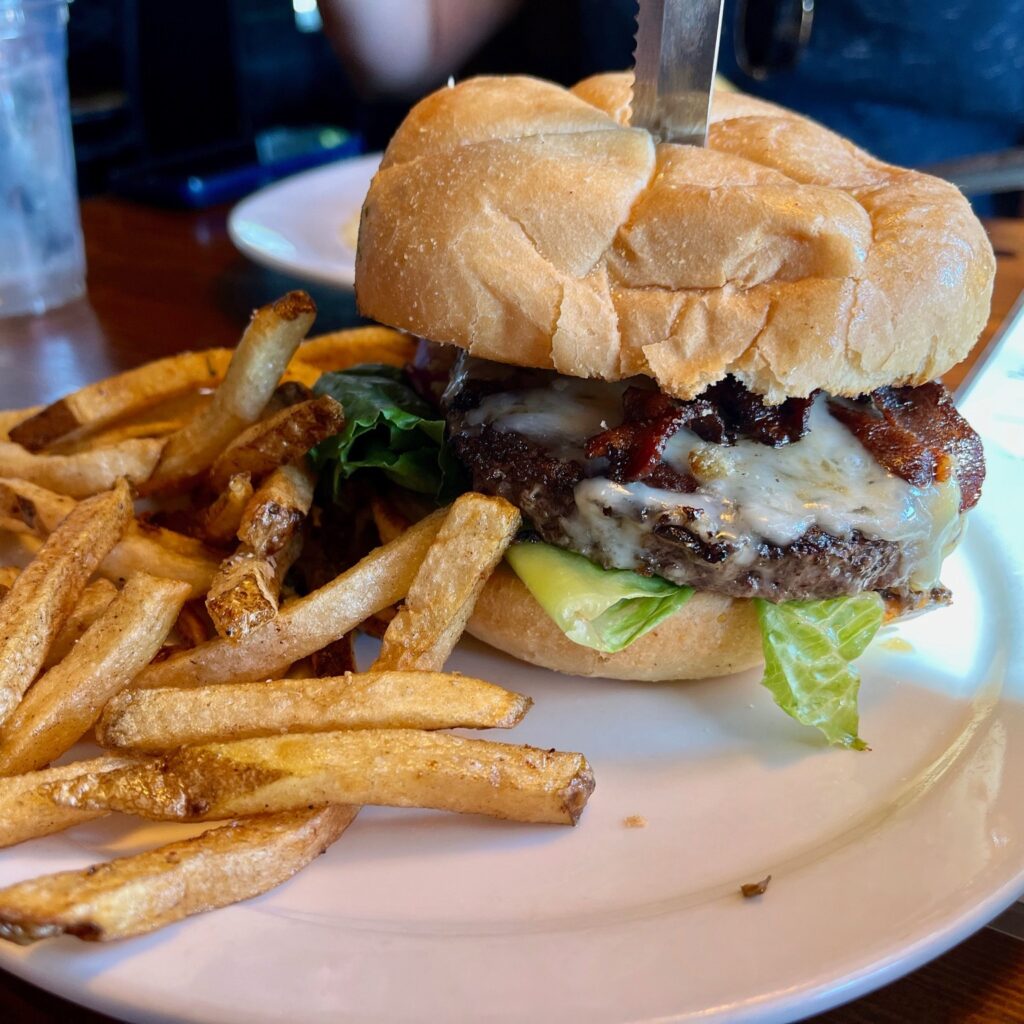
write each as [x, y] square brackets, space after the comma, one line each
[914, 83]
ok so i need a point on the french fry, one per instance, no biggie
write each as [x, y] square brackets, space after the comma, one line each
[138, 553]
[108, 400]
[172, 540]
[337, 658]
[277, 509]
[120, 432]
[306, 624]
[278, 440]
[38, 509]
[389, 767]
[83, 473]
[377, 624]
[26, 813]
[143, 548]
[159, 720]
[224, 516]
[8, 574]
[91, 605]
[44, 594]
[191, 626]
[19, 548]
[387, 517]
[469, 545]
[10, 418]
[164, 417]
[245, 591]
[256, 367]
[299, 372]
[65, 702]
[137, 894]
[42, 511]
[343, 349]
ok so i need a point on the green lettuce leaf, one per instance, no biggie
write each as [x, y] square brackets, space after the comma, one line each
[808, 647]
[388, 428]
[606, 609]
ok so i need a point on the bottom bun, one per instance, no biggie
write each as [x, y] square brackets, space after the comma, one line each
[710, 635]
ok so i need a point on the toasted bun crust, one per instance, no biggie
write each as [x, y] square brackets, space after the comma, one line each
[710, 635]
[526, 223]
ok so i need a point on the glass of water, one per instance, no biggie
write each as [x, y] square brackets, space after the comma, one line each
[42, 261]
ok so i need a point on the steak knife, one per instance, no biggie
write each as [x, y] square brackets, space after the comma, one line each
[674, 60]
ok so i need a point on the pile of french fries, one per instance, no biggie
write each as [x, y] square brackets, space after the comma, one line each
[216, 693]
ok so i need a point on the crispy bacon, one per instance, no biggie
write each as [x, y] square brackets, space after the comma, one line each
[724, 413]
[634, 449]
[898, 450]
[747, 414]
[928, 411]
[918, 434]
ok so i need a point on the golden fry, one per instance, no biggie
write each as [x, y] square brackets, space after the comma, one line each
[115, 397]
[306, 624]
[277, 509]
[263, 353]
[278, 440]
[144, 547]
[243, 594]
[224, 516]
[65, 702]
[137, 553]
[26, 813]
[337, 658]
[191, 625]
[18, 549]
[387, 517]
[10, 418]
[133, 895]
[469, 545]
[91, 605]
[158, 720]
[343, 349]
[45, 593]
[83, 473]
[390, 767]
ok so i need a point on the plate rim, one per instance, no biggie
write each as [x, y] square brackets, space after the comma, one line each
[341, 276]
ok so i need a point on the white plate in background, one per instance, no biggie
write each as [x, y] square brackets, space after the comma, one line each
[306, 224]
[880, 860]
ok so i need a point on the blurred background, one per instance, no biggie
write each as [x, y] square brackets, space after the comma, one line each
[199, 104]
[207, 85]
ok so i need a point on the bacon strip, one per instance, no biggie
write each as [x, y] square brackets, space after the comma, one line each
[725, 412]
[634, 449]
[918, 434]
[897, 449]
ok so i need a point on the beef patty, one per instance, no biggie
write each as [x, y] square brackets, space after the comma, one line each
[548, 477]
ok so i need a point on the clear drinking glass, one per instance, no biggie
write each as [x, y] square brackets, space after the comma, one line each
[42, 260]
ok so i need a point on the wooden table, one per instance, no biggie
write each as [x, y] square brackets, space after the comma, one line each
[160, 282]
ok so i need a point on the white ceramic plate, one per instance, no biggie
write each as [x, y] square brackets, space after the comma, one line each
[305, 225]
[880, 860]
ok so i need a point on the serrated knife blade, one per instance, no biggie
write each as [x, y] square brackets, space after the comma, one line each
[674, 63]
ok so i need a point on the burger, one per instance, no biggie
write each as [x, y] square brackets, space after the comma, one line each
[708, 377]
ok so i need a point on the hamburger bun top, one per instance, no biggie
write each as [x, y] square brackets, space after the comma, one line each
[528, 224]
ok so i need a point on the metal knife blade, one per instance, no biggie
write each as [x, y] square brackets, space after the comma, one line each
[674, 62]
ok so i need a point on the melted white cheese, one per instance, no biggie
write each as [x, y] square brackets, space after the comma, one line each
[747, 493]
[563, 415]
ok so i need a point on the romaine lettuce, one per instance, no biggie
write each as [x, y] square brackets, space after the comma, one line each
[606, 609]
[808, 647]
[389, 428]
